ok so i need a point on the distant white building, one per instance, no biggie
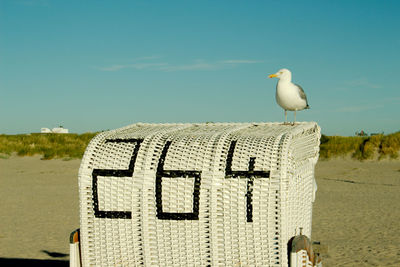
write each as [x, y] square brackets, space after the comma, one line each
[45, 130]
[59, 130]
[54, 130]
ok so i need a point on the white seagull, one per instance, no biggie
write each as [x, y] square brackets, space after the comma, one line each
[289, 96]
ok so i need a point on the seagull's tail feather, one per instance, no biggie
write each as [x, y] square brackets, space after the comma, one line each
[307, 107]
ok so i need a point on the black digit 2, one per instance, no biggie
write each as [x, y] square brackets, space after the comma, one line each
[114, 173]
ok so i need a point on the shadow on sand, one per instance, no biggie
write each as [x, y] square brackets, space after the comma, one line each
[33, 262]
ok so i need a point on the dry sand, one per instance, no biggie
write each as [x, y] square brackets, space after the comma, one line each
[356, 213]
[39, 209]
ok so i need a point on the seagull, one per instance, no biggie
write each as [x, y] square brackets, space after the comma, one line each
[289, 96]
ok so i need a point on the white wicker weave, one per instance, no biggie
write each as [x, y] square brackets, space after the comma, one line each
[212, 194]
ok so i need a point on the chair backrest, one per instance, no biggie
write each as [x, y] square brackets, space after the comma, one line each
[196, 194]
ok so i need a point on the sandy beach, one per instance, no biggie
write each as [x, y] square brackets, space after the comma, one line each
[356, 214]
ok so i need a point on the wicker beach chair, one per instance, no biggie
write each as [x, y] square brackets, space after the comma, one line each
[211, 194]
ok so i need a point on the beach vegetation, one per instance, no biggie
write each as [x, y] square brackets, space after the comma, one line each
[361, 147]
[49, 146]
[72, 146]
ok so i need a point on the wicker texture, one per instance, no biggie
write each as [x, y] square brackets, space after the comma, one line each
[219, 194]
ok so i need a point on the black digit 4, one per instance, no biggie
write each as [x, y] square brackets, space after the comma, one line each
[251, 174]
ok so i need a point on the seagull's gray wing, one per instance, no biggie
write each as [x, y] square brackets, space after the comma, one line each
[302, 94]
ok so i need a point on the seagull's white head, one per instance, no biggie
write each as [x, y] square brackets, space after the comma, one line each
[282, 74]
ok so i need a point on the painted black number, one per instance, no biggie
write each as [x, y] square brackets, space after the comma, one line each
[161, 173]
[114, 173]
[250, 174]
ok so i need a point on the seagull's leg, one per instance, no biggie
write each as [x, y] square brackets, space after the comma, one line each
[294, 117]
[285, 116]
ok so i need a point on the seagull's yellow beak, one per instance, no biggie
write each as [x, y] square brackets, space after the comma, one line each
[272, 76]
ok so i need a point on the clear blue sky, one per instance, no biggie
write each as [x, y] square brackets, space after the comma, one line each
[98, 65]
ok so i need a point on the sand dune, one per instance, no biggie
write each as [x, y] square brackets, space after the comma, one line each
[356, 213]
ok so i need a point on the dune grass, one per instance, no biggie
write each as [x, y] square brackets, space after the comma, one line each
[71, 146]
[48, 145]
[361, 148]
